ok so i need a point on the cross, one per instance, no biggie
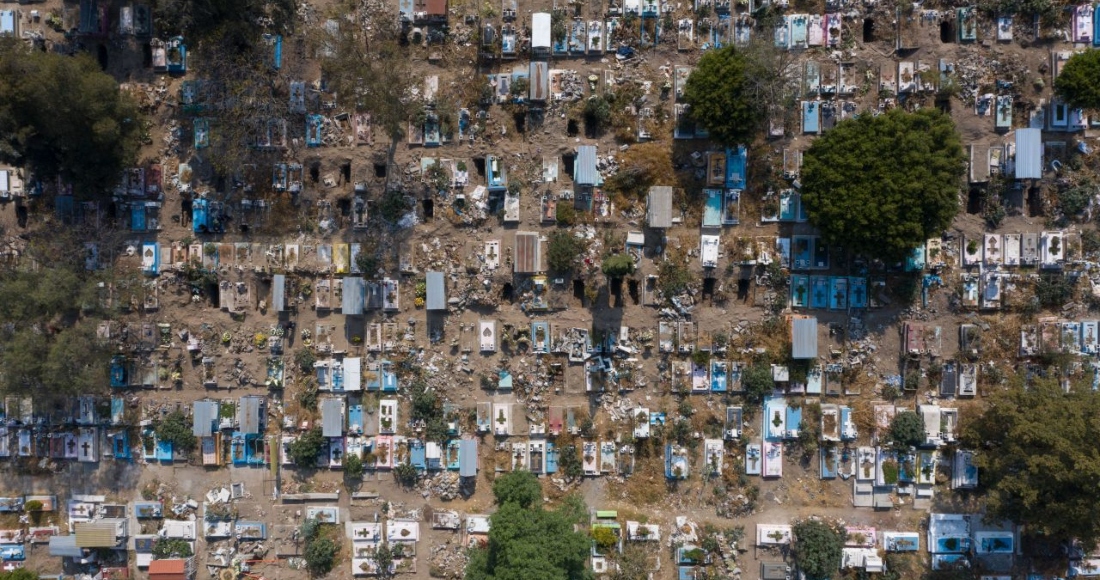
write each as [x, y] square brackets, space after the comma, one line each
[72, 445]
[819, 295]
[85, 447]
[858, 291]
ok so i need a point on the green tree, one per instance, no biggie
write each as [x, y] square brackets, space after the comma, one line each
[605, 539]
[19, 574]
[758, 383]
[304, 450]
[674, 275]
[353, 466]
[171, 548]
[406, 474]
[817, 548]
[176, 429]
[617, 266]
[520, 487]
[531, 543]
[63, 116]
[907, 429]
[1078, 85]
[882, 185]
[562, 250]
[570, 462]
[597, 114]
[305, 360]
[320, 554]
[203, 18]
[719, 95]
[1035, 449]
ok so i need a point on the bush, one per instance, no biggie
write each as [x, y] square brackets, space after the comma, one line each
[565, 213]
[1076, 200]
[33, 506]
[597, 114]
[570, 462]
[353, 466]
[405, 474]
[673, 276]
[605, 539]
[305, 358]
[171, 548]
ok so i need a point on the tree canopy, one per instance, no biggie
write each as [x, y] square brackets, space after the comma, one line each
[198, 18]
[63, 116]
[618, 266]
[907, 429]
[305, 449]
[719, 96]
[881, 186]
[1037, 456]
[1079, 82]
[518, 487]
[530, 543]
[176, 428]
[818, 547]
[561, 251]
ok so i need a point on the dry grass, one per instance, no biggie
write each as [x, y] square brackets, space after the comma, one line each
[646, 487]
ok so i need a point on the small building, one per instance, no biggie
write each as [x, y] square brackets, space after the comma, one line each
[278, 292]
[204, 418]
[585, 172]
[804, 337]
[659, 207]
[467, 458]
[528, 254]
[250, 414]
[1029, 153]
[354, 296]
[172, 569]
[436, 291]
[430, 10]
[541, 24]
[332, 417]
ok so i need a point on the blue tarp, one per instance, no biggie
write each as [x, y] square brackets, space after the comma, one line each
[200, 216]
[164, 451]
[417, 455]
[137, 217]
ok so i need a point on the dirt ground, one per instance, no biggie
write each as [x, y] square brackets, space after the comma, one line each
[437, 243]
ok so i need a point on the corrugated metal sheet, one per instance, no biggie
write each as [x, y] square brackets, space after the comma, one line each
[95, 535]
[248, 415]
[804, 338]
[204, 414]
[538, 88]
[659, 207]
[278, 292]
[584, 167]
[65, 546]
[1029, 153]
[467, 458]
[437, 291]
[354, 294]
[332, 418]
[528, 253]
[540, 31]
